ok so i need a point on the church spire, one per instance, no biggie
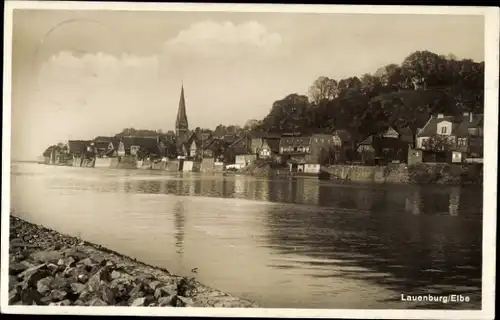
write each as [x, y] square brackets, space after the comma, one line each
[181, 123]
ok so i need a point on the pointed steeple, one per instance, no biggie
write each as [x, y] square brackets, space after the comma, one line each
[181, 122]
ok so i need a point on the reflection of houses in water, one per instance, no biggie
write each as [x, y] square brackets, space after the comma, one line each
[262, 190]
[197, 187]
[130, 186]
[413, 201]
[240, 184]
[307, 192]
[186, 187]
[310, 192]
[364, 198]
[192, 191]
[179, 223]
[207, 186]
[433, 201]
[401, 247]
[228, 187]
[454, 200]
[162, 187]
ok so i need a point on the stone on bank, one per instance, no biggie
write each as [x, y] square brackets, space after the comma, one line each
[47, 268]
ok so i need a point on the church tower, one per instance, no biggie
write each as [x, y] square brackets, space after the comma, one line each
[181, 123]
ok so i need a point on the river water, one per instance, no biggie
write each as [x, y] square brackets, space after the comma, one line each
[281, 243]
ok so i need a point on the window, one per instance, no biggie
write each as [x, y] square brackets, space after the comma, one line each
[444, 130]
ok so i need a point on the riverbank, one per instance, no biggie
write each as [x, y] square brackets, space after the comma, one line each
[48, 268]
[422, 173]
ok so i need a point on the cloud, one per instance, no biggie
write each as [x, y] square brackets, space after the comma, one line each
[67, 78]
[85, 95]
[210, 39]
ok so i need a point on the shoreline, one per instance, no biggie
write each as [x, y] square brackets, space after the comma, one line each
[420, 175]
[49, 268]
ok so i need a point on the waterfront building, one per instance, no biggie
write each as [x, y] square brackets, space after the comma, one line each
[459, 137]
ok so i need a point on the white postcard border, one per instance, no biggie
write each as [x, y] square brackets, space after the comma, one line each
[492, 28]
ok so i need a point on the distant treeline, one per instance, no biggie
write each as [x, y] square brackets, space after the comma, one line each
[398, 95]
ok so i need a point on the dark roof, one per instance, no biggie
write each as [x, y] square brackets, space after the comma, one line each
[462, 130]
[240, 145]
[404, 131]
[101, 142]
[460, 124]
[115, 141]
[167, 138]
[196, 142]
[146, 143]
[256, 135]
[381, 142]
[229, 138]
[78, 146]
[274, 144]
[272, 136]
[102, 139]
[294, 141]
[344, 135]
[405, 134]
[205, 135]
[209, 143]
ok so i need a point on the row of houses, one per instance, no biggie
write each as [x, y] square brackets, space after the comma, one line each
[444, 138]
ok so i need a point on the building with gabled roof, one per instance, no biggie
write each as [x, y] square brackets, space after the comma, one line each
[464, 133]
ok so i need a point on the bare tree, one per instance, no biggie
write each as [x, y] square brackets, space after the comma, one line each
[323, 88]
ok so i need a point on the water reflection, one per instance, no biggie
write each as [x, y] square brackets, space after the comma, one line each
[332, 242]
[179, 221]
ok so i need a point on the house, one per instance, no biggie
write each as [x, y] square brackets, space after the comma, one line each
[455, 134]
[257, 138]
[240, 146]
[113, 145]
[101, 145]
[294, 150]
[244, 160]
[229, 138]
[140, 147]
[80, 148]
[321, 149]
[195, 149]
[213, 148]
[406, 135]
[383, 148]
[343, 146]
[270, 149]
[341, 139]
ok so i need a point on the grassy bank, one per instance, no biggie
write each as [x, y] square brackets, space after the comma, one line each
[48, 268]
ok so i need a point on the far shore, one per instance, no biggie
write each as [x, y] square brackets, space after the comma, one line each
[417, 174]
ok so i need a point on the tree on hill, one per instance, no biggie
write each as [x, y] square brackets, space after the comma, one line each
[395, 95]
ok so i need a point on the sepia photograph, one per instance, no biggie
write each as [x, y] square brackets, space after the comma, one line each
[249, 160]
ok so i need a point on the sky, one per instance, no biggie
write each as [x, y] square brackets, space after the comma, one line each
[80, 74]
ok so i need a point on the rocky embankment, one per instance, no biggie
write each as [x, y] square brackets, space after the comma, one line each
[47, 268]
